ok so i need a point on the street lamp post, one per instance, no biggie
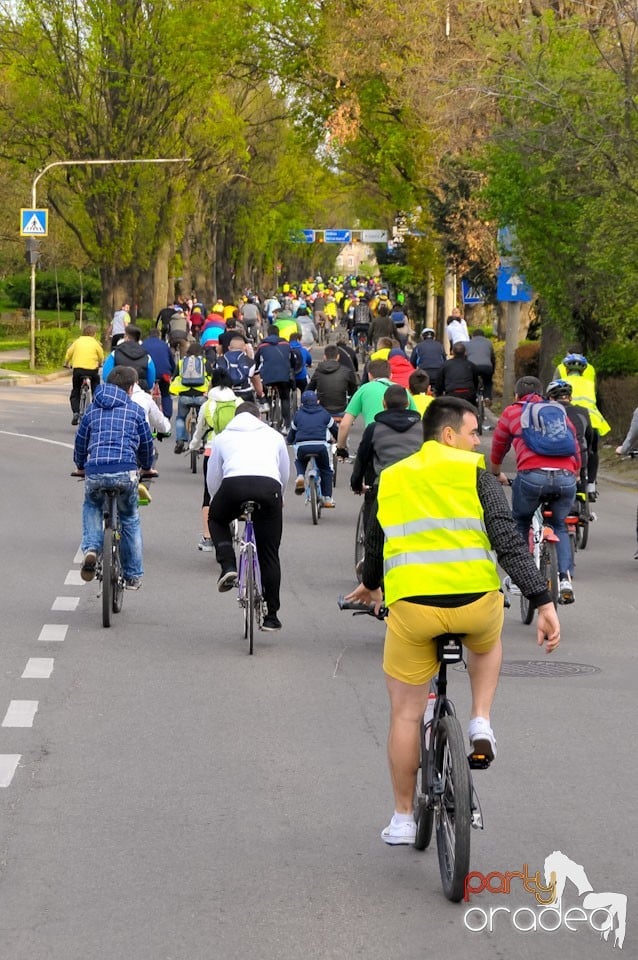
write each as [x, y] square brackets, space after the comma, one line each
[34, 204]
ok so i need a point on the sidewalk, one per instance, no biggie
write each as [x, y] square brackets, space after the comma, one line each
[11, 378]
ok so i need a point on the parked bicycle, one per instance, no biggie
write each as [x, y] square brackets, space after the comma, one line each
[249, 593]
[446, 799]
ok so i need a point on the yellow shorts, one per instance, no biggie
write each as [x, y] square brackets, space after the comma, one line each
[409, 653]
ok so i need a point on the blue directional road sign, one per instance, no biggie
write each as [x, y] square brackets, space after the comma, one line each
[511, 286]
[337, 236]
[471, 293]
[34, 223]
[308, 236]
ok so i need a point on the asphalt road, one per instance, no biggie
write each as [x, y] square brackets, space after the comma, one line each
[176, 799]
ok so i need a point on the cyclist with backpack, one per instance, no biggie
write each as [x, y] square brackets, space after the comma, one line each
[215, 414]
[275, 362]
[547, 462]
[191, 388]
[240, 369]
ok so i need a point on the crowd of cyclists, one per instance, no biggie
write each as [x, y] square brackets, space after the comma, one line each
[431, 551]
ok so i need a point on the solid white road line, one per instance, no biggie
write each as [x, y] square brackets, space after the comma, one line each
[38, 668]
[53, 631]
[8, 764]
[65, 603]
[20, 713]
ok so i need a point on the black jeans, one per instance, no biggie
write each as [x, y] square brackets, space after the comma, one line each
[79, 373]
[268, 522]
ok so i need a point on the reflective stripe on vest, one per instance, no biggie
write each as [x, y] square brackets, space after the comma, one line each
[436, 542]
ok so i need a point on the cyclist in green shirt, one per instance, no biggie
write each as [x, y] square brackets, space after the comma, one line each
[367, 402]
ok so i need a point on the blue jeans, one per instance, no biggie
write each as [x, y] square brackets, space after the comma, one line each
[529, 488]
[183, 406]
[319, 451]
[93, 512]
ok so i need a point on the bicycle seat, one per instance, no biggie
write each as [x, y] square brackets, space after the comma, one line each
[449, 648]
[249, 506]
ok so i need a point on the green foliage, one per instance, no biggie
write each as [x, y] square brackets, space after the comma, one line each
[616, 359]
[49, 286]
[51, 346]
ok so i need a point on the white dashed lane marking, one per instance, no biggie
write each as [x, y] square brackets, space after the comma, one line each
[20, 713]
[65, 603]
[53, 632]
[38, 668]
[8, 764]
[73, 579]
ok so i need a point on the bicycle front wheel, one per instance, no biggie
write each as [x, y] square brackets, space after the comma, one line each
[107, 575]
[527, 610]
[454, 809]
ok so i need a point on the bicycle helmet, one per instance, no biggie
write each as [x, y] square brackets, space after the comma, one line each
[557, 389]
[427, 332]
[575, 361]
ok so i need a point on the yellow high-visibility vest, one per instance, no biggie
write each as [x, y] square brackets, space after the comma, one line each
[584, 395]
[436, 542]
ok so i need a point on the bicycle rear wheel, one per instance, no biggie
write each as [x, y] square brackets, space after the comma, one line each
[454, 809]
[107, 575]
[423, 810]
[335, 461]
[584, 518]
[85, 398]
[527, 610]
[549, 568]
[314, 500]
[249, 597]
[117, 575]
[480, 405]
[359, 545]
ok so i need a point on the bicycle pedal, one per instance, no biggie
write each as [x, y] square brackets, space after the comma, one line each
[478, 761]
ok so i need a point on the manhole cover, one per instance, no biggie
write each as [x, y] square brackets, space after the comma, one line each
[543, 668]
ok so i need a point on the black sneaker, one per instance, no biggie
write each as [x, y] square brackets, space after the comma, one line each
[133, 583]
[87, 570]
[180, 446]
[271, 622]
[75, 420]
[227, 580]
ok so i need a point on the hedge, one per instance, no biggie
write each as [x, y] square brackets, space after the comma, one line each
[51, 346]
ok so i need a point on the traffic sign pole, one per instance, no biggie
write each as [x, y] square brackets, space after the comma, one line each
[34, 205]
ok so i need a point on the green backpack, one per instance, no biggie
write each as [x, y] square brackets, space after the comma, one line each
[222, 415]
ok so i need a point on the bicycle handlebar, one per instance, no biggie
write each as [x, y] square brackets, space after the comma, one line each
[359, 608]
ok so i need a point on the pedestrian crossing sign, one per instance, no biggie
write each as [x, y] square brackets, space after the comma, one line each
[34, 223]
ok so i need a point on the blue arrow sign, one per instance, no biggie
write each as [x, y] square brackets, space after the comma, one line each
[34, 223]
[471, 293]
[511, 286]
[337, 236]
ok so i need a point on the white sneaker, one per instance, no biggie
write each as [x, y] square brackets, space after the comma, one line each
[205, 544]
[482, 739]
[566, 591]
[399, 833]
[511, 587]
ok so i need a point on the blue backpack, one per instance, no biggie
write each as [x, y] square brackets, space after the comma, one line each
[545, 429]
[238, 366]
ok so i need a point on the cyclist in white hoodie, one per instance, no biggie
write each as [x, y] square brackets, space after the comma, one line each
[249, 461]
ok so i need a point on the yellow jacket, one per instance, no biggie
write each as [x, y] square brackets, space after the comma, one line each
[584, 395]
[85, 353]
[436, 542]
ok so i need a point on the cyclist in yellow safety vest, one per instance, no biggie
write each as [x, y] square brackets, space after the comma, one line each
[581, 376]
[287, 326]
[446, 523]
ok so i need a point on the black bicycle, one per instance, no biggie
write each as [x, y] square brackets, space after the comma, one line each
[109, 566]
[480, 404]
[86, 396]
[445, 795]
